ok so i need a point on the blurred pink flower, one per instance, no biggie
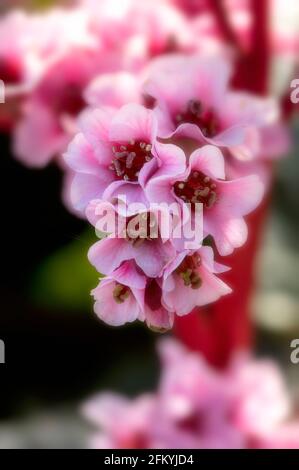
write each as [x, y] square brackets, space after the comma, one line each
[29, 43]
[124, 423]
[158, 28]
[196, 406]
[49, 114]
[199, 105]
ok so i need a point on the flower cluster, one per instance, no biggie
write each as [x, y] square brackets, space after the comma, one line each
[198, 407]
[152, 119]
[174, 147]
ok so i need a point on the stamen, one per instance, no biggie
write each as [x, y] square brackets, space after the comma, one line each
[196, 113]
[120, 293]
[130, 158]
[188, 271]
[198, 188]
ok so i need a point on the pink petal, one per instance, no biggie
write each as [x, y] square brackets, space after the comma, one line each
[172, 160]
[95, 125]
[228, 234]
[38, 137]
[153, 255]
[160, 319]
[107, 255]
[128, 275]
[129, 191]
[84, 188]
[209, 160]
[115, 89]
[239, 197]
[80, 156]
[133, 122]
[109, 310]
[212, 75]
[160, 190]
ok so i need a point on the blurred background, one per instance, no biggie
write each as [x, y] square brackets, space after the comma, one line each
[56, 349]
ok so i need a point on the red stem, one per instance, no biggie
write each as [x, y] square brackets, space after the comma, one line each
[228, 34]
[220, 329]
[253, 67]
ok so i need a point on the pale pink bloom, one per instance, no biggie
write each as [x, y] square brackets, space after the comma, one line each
[136, 237]
[196, 406]
[116, 153]
[119, 298]
[199, 105]
[122, 423]
[28, 46]
[190, 281]
[50, 112]
[113, 89]
[126, 295]
[225, 203]
[193, 402]
[261, 402]
[19, 66]
[285, 436]
[157, 29]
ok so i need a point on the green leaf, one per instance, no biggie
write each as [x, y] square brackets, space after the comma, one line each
[64, 280]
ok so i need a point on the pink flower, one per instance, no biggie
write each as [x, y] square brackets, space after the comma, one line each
[261, 400]
[196, 406]
[199, 105]
[225, 203]
[124, 423]
[285, 436]
[193, 402]
[126, 295]
[116, 153]
[49, 114]
[138, 238]
[156, 30]
[28, 46]
[114, 89]
[190, 281]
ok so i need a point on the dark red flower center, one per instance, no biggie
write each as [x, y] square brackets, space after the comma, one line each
[196, 113]
[153, 294]
[129, 159]
[10, 72]
[188, 271]
[70, 101]
[120, 293]
[198, 188]
[192, 424]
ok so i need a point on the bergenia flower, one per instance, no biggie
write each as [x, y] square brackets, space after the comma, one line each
[225, 203]
[127, 295]
[120, 298]
[116, 153]
[49, 114]
[29, 44]
[138, 238]
[190, 281]
[113, 89]
[199, 105]
[154, 31]
[123, 423]
[196, 406]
